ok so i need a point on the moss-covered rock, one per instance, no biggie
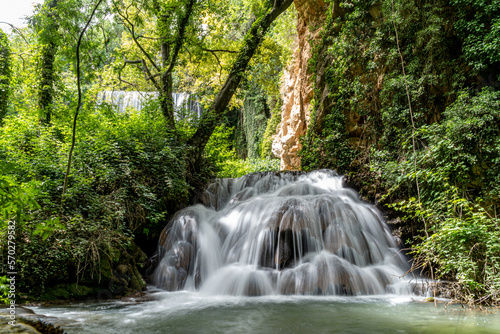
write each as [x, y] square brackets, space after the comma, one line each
[120, 274]
[69, 291]
[28, 326]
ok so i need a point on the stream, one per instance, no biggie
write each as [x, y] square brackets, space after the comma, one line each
[191, 312]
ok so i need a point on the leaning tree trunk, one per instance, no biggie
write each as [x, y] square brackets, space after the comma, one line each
[215, 112]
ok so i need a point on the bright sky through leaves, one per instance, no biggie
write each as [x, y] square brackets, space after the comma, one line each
[14, 12]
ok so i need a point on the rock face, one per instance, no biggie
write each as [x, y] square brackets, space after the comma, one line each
[297, 89]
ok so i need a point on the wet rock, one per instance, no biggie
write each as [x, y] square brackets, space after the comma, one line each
[20, 328]
[286, 283]
[20, 310]
[254, 287]
[268, 249]
[197, 275]
[149, 266]
[286, 251]
[242, 195]
[28, 326]
[183, 253]
[184, 226]
[290, 215]
[168, 279]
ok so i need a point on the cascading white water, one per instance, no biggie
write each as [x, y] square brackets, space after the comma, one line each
[184, 103]
[281, 233]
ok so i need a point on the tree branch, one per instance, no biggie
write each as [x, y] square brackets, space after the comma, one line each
[120, 76]
[17, 30]
[180, 36]
[131, 29]
[220, 64]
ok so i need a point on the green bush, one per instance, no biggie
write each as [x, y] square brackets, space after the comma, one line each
[221, 153]
[240, 167]
[457, 171]
[16, 203]
[127, 176]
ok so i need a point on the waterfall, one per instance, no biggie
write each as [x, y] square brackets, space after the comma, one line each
[185, 104]
[281, 233]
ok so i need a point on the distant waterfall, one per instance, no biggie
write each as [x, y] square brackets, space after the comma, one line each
[184, 103]
[281, 233]
[187, 103]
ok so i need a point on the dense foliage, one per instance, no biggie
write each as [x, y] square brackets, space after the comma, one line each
[116, 192]
[5, 72]
[412, 117]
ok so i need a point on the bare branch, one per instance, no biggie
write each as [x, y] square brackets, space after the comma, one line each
[78, 106]
[147, 37]
[126, 61]
[219, 50]
[149, 76]
[17, 30]
[153, 76]
[220, 64]
[21, 55]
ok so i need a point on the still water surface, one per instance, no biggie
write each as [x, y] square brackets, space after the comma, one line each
[192, 312]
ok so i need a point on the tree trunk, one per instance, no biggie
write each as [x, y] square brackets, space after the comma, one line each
[166, 102]
[49, 49]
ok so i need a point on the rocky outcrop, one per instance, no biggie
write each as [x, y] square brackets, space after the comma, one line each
[297, 88]
[18, 328]
[25, 325]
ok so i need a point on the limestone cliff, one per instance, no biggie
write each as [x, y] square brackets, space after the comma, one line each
[297, 88]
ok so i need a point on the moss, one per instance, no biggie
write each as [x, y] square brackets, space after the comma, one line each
[271, 130]
[255, 116]
[69, 291]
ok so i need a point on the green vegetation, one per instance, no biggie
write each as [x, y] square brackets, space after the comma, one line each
[5, 73]
[114, 195]
[271, 129]
[411, 115]
[222, 154]
[130, 171]
[423, 138]
[458, 177]
[16, 201]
